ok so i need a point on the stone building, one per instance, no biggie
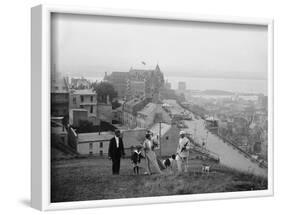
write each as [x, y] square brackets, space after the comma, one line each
[153, 81]
[84, 99]
[87, 99]
[137, 83]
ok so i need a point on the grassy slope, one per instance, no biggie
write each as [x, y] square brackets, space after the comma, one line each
[91, 179]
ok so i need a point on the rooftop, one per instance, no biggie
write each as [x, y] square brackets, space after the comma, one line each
[119, 74]
[56, 117]
[155, 129]
[134, 101]
[84, 92]
[148, 109]
[145, 68]
[84, 110]
[211, 118]
[94, 136]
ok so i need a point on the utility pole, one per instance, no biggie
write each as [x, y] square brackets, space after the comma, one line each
[207, 138]
[160, 147]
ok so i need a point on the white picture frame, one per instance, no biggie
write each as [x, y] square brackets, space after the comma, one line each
[40, 70]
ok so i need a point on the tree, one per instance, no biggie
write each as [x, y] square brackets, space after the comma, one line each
[103, 90]
[115, 104]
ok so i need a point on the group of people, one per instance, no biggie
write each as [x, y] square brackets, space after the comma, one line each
[147, 151]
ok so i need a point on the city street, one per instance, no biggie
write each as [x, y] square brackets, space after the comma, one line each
[229, 156]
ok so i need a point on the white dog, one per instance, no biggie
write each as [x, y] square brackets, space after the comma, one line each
[169, 163]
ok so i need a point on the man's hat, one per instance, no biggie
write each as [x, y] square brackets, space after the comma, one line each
[182, 132]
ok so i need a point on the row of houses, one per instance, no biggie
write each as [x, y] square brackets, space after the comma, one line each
[97, 143]
[77, 104]
[141, 112]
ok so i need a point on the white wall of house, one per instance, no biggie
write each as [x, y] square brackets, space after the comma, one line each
[84, 101]
[169, 142]
[79, 99]
[133, 137]
[95, 148]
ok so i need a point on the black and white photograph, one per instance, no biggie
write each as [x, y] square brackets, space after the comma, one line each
[144, 107]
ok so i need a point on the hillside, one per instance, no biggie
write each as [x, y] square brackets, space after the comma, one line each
[91, 179]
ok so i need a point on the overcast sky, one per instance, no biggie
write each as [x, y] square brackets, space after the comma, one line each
[91, 45]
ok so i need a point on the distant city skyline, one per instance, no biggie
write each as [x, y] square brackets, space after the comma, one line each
[231, 85]
[89, 46]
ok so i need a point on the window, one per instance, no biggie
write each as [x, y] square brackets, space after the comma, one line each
[82, 98]
[167, 137]
[92, 98]
[90, 146]
[91, 111]
[101, 153]
[74, 100]
[101, 144]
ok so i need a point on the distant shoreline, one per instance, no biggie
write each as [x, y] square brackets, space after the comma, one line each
[214, 86]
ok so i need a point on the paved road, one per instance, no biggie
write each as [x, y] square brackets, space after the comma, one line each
[229, 156]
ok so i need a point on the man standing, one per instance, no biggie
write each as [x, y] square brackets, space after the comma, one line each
[183, 152]
[115, 151]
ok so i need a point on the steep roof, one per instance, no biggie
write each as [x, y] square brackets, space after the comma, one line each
[148, 109]
[155, 128]
[155, 110]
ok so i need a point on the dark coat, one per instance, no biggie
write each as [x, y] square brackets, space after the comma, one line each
[113, 151]
[136, 157]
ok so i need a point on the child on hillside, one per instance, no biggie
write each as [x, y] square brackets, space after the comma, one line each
[136, 159]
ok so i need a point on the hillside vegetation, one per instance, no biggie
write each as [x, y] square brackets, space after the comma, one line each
[91, 179]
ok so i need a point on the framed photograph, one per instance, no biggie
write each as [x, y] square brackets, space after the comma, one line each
[140, 107]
